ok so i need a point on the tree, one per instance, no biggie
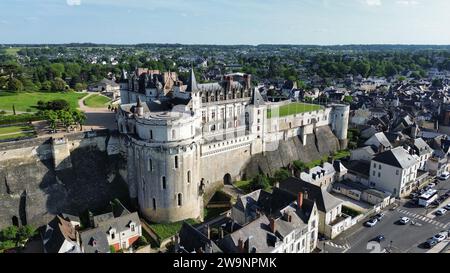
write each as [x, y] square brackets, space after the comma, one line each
[80, 87]
[348, 99]
[9, 233]
[437, 83]
[25, 232]
[281, 175]
[56, 69]
[46, 86]
[66, 118]
[52, 118]
[15, 85]
[58, 104]
[59, 84]
[260, 182]
[79, 117]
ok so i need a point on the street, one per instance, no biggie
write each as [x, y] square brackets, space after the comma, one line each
[399, 238]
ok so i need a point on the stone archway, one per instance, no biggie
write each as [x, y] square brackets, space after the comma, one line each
[227, 179]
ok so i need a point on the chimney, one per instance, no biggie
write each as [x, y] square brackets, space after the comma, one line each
[221, 232]
[272, 225]
[229, 80]
[249, 244]
[300, 200]
[208, 231]
[248, 81]
[241, 245]
[91, 219]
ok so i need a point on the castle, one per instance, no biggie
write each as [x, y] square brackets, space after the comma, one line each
[182, 140]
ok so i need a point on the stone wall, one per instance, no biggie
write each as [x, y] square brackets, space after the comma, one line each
[321, 143]
[32, 191]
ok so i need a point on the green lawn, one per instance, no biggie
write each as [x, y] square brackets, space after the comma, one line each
[13, 129]
[28, 100]
[14, 136]
[12, 51]
[165, 231]
[96, 101]
[292, 109]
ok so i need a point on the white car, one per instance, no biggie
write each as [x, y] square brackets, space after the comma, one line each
[441, 212]
[372, 222]
[447, 207]
[404, 220]
[440, 237]
[444, 176]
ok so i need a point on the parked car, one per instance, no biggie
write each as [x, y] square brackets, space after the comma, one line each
[435, 203]
[444, 176]
[431, 185]
[379, 216]
[441, 212]
[447, 207]
[440, 237]
[404, 220]
[431, 243]
[372, 222]
[379, 239]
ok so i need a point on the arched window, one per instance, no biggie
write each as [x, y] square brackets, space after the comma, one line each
[180, 199]
[176, 162]
[154, 204]
[164, 182]
[189, 176]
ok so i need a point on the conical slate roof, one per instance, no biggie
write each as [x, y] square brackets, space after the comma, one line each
[192, 82]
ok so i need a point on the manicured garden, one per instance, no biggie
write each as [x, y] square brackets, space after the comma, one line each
[96, 101]
[292, 109]
[28, 101]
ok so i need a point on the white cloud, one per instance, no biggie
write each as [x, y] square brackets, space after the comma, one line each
[373, 2]
[73, 2]
[408, 2]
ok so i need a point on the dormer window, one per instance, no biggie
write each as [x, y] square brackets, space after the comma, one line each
[112, 233]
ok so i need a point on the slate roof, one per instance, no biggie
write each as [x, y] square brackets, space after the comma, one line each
[56, 233]
[260, 234]
[101, 230]
[192, 239]
[397, 157]
[325, 201]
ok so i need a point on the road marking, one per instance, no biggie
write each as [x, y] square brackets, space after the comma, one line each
[338, 246]
[423, 218]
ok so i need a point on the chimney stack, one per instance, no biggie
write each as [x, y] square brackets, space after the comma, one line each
[208, 231]
[229, 80]
[221, 232]
[249, 244]
[300, 200]
[241, 245]
[272, 225]
[248, 81]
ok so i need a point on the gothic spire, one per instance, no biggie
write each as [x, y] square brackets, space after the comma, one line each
[192, 82]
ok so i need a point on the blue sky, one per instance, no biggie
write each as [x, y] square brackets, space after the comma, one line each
[226, 21]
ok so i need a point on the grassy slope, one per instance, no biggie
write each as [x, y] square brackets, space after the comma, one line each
[165, 231]
[13, 129]
[28, 100]
[293, 108]
[96, 101]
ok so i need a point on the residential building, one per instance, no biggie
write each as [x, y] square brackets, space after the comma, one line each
[394, 171]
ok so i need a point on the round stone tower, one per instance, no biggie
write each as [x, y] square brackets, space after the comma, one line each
[164, 157]
[339, 122]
